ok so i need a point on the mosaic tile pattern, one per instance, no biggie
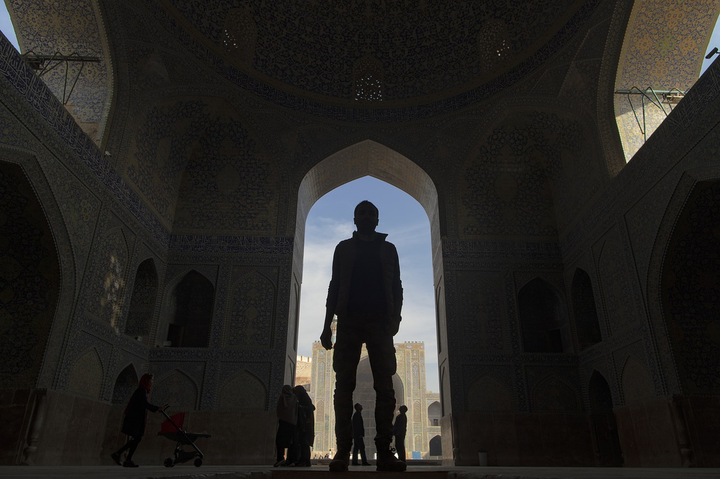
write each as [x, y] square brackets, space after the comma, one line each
[68, 28]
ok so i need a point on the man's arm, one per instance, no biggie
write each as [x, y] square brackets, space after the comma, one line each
[397, 292]
[331, 304]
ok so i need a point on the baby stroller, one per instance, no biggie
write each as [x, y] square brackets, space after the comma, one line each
[170, 430]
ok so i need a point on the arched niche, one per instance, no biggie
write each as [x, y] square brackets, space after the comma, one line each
[30, 279]
[543, 319]
[125, 383]
[586, 318]
[604, 425]
[663, 48]
[244, 391]
[68, 28]
[690, 290]
[436, 446]
[177, 389]
[434, 413]
[191, 312]
[142, 302]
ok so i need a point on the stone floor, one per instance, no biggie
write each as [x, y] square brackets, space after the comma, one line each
[416, 472]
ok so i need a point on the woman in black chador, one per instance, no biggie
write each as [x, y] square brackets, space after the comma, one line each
[306, 425]
[135, 419]
[286, 436]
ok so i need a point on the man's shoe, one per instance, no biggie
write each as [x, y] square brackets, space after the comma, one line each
[116, 457]
[340, 462]
[129, 464]
[386, 461]
[365, 463]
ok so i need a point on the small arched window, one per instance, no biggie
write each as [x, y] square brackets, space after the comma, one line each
[193, 301]
[543, 319]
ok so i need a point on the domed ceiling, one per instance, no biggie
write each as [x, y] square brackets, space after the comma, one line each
[400, 52]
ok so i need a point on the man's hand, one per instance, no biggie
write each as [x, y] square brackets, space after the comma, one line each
[326, 339]
[393, 327]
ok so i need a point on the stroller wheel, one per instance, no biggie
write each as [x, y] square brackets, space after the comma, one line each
[198, 462]
[169, 462]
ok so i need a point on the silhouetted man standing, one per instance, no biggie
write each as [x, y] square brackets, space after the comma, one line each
[365, 294]
[399, 430]
[358, 437]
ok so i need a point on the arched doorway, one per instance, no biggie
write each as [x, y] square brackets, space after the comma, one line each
[604, 425]
[363, 159]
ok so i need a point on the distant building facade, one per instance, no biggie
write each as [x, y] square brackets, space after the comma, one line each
[424, 410]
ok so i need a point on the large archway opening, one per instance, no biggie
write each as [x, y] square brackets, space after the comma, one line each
[403, 193]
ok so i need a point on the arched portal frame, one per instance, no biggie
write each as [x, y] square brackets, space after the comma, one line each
[369, 158]
[49, 374]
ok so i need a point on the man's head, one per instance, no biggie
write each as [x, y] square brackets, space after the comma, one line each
[403, 409]
[366, 217]
[358, 407]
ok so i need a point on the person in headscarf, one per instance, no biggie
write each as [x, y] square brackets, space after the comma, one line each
[306, 425]
[287, 413]
[135, 420]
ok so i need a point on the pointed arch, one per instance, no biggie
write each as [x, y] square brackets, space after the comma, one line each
[125, 383]
[142, 301]
[190, 305]
[177, 388]
[244, 391]
[30, 277]
[543, 318]
[370, 158]
[86, 376]
[554, 394]
[636, 382]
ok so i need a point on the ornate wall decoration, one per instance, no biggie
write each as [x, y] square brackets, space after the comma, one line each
[482, 317]
[86, 376]
[227, 184]
[160, 153]
[29, 279]
[240, 35]
[69, 28]
[177, 389]
[250, 316]
[244, 391]
[487, 394]
[552, 394]
[106, 291]
[368, 79]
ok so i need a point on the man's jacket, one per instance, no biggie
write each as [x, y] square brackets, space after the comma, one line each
[342, 271]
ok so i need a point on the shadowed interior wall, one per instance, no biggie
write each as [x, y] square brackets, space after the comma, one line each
[691, 290]
[29, 279]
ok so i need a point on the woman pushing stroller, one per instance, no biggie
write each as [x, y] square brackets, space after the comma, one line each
[135, 419]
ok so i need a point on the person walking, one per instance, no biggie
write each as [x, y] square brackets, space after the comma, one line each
[287, 410]
[365, 294]
[358, 437]
[135, 419]
[399, 431]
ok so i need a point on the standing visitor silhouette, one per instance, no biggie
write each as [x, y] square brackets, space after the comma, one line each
[358, 437]
[365, 294]
[400, 429]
